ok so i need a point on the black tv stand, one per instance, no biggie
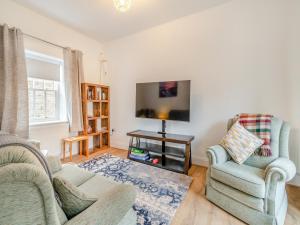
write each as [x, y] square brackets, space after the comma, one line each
[163, 128]
[177, 159]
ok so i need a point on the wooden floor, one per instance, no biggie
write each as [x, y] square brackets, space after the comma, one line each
[196, 210]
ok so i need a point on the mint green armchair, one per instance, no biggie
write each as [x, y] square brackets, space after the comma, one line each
[254, 191]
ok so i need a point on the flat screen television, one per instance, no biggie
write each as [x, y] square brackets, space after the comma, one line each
[167, 100]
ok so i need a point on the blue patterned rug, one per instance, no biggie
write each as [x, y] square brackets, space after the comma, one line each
[159, 192]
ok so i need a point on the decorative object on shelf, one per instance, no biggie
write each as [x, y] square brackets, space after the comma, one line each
[122, 5]
[103, 96]
[99, 94]
[90, 94]
[89, 130]
[177, 159]
[104, 129]
[167, 190]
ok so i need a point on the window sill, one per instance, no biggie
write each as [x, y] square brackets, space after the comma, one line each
[48, 123]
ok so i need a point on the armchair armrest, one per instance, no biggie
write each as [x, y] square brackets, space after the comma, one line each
[277, 173]
[217, 155]
[283, 167]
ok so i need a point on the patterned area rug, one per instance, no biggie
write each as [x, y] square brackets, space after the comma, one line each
[159, 192]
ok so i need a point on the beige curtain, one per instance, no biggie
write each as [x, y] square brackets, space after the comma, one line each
[73, 77]
[14, 116]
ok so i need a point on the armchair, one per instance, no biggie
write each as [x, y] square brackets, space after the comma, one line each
[254, 191]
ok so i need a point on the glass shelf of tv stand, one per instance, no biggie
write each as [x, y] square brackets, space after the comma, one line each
[157, 148]
[170, 163]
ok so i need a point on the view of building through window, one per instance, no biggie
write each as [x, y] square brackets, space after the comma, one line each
[44, 88]
[43, 99]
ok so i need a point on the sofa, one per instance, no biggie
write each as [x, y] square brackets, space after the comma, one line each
[255, 190]
[27, 196]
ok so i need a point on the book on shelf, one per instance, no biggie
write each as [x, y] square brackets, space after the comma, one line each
[144, 158]
[137, 150]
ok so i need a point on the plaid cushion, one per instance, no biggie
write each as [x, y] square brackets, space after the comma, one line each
[260, 125]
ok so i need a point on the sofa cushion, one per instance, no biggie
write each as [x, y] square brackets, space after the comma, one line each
[73, 200]
[74, 174]
[248, 200]
[242, 177]
[98, 185]
[54, 163]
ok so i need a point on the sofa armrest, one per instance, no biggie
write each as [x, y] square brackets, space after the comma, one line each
[54, 164]
[24, 189]
[108, 209]
[284, 168]
[217, 155]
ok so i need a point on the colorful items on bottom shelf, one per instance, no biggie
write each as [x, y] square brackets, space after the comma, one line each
[155, 161]
[139, 154]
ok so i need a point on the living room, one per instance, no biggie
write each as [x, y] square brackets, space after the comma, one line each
[239, 60]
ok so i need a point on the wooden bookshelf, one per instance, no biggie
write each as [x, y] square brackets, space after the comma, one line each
[96, 115]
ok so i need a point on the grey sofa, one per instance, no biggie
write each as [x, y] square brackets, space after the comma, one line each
[254, 191]
[27, 195]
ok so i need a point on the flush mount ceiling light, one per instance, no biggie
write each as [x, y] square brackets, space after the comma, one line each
[122, 5]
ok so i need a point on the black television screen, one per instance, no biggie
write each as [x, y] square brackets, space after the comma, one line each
[168, 100]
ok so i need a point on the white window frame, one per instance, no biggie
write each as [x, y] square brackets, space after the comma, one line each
[61, 116]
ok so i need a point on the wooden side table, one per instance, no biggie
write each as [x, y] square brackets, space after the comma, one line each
[69, 141]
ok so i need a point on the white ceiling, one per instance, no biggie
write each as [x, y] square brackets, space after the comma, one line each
[100, 20]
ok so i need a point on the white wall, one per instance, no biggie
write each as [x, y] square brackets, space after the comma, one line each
[293, 80]
[234, 54]
[35, 24]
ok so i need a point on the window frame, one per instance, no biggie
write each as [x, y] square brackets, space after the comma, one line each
[61, 116]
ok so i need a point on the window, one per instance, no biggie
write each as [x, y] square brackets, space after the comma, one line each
[45, 88]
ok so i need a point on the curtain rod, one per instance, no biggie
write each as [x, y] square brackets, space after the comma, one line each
[48, 42]
[37, 38]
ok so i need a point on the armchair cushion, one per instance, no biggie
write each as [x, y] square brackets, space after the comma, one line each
[248, 200]
[242, 177]
[285, 167]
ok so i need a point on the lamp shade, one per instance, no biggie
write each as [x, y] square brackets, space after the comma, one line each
[122, 5]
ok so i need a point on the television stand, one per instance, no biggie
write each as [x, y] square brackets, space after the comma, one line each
[163, 128]
[176, 159]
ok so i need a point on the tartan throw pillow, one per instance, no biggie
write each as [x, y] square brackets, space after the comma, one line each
[240, 143]
[260, 125]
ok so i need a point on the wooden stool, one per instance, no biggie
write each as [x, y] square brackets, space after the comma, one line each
[70, 141]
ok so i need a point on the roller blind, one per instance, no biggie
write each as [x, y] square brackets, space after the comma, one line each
[42, 69]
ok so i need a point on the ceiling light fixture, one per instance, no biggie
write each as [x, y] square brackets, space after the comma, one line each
[122, 5]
